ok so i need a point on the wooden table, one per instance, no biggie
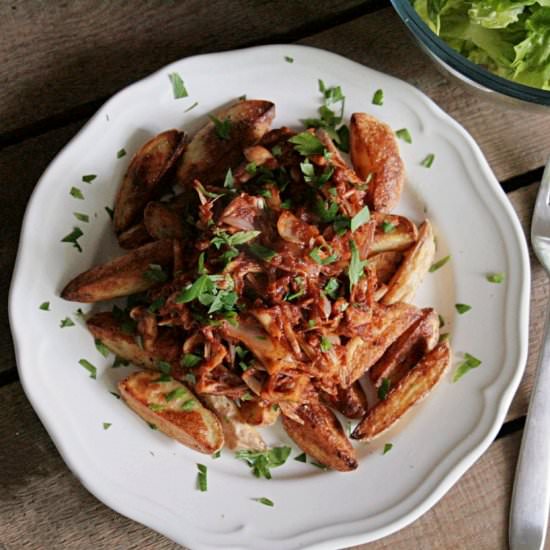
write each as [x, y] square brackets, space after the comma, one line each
[60, 61]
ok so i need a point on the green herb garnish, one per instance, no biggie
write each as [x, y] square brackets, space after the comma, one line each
[328, 256]
[404, 134]
[428, 161]
[495, 277]
[202, 481]
[67, 322]
[262, 461]
[101, 347]
[331, 288]
[155, 407]
[229, 181]
[188, 405]
[387, 448]
[81, 217]
[110, 211]
[361, 218]
[190, 360]
[178, 87]
[387, 227]
[222, 127]
[439, 264]
[470, 362]
[307, 144]
[191, 107]
[384, 389]
[73, 237]
[89, 367]
[378, 97]
[76, 193]
[301, 458]
[120, 153]
[262, 252]
[89, 178]
[441, 322]
[462, 308]
[326, 344]
[289, 59]
[176, 394]
[156, 305]
[45, 306]
[106, 425]
[155, 274]
[265, 501]
[356, 266]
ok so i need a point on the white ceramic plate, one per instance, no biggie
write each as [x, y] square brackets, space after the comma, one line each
[150, 478]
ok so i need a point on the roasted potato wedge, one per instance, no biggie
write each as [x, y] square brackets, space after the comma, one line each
[395, 233]
[174, 410]
[210, 153]
[256, 413]
[120, 277]
[385, 265]
[420, 338]
[351, 402]
[321, 436]
[106, 328]
[238, 434]
[134, 237]
[411, 389]
[375, 154]
[162, 222]
[386, 325]
[414, 267]
[144, 177]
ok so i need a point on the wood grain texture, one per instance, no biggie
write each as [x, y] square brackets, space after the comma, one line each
[514, 141]
[57, 55]
[44, 506]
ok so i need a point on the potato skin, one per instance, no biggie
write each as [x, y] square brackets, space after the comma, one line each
[351, 402]
[321, 436]
[411, 389]
[374, 150]
[119, 277]
[208, 157]
[197, 428]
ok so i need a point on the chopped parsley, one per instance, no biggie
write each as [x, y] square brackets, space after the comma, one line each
[110, 211]
[443, 337]
[311, 323]
[190, 360]
[45, 306]
[439, 264]
[378, 97]
[76, 193]
[428, 160]
[229, 181]
[462, 308]
[156, 305]
[384, 389]
[152, 426]
[301, 458]
[73, 237]
[191, 107]
[404, 134]
[89, 178]
[356, 266]
[188, 405]
[289, 59]
[495, 277]
[331, 288]
[236, 239]
[155, 274]
[262, 252]
[178, 87]
[307, 144]
[328, 256]
[217, 454]
[106, 425]
[89, 367]
[121, 153]
[262, 461]
[176, 394]
[202, 480]
[326, 213]
[114, 394]
[164, 367]
[470, 362]
[387, 227]
[119, 362]
[101, 347]
[361, 218]
[387, 448]
[67, 322]
[441, 322]
[222, 127]
[326, 344]
[156, 407]
[265, 501]
[81, 217]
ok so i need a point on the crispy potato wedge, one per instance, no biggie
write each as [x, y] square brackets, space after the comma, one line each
[238, 434]
[162, 222]
[134, 237]
[208, 155]
[174, 410]
[106, 328]
[386, 325]
[385, 264]
[375, 154]
[411, 389]
[403, 234]
[321, 436]
[414, 267]
[144, 177]
[119, 277]
[351, 402]
[419, 339]
[256, 413]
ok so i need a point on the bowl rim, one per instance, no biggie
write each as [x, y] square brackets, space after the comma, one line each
[472, 71]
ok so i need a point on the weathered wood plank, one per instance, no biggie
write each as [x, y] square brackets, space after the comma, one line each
[57, 55]
[43, 505]
[514, 141]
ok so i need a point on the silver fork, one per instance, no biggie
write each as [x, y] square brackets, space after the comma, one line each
[531, 495]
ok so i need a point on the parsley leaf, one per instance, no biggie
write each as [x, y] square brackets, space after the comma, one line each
[387, 227]
[191, 107]
[121, 153]
[89, 178]
[110, 211]
[229, 181]
[101, 347]
[164, 367]
[262, 252]
[67, 322]
[328, 257]
[81, 217]
[76, 193]
[289, 59]
[462, 308]
[326, 213]
[176, 394]
[202, 480]
[307, 144]
[326, 344]
[384, 389]
[178, 87]
[190, 360]
[89, 367]
[470, 362]
[495, 277]
[361, 218]
[201, 285]
[265, 501]
[331, 288]
[387, 448]
[378, 97]
[106, 425]
[262, 461]
[301, 458]
[223, 128]
[155, 407]
[439, 264]
[73, 237]
[404, 134]
[356, 266]
[45, 306]
[428, 161]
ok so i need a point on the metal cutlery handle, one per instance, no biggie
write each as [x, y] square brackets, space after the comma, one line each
[531, 495]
